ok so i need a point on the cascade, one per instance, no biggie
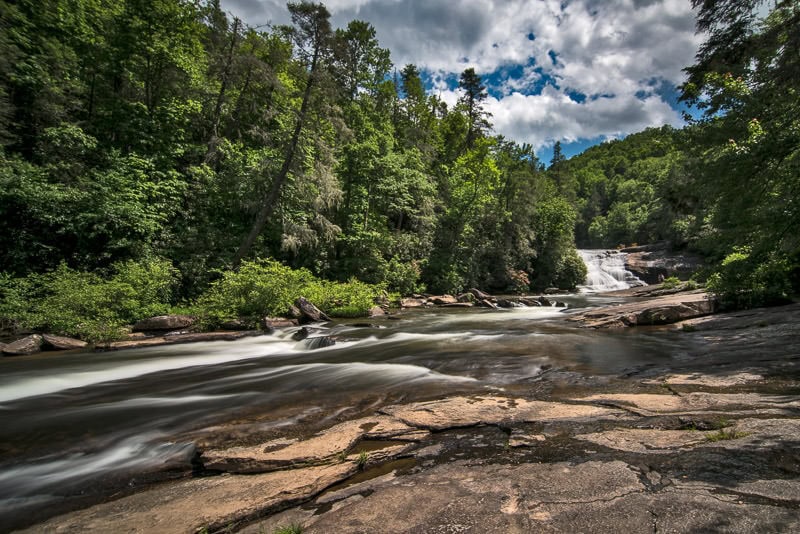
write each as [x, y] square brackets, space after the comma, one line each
[607, 271]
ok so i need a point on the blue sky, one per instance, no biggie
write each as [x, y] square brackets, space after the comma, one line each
[579, 71]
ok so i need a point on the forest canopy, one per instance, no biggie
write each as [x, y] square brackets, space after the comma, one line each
[168, 135]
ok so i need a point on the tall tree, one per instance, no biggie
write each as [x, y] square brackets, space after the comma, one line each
[472, 99]
[312, 35]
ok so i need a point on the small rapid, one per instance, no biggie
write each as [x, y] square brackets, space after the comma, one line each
[607, 272]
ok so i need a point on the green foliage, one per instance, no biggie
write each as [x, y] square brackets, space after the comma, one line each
[294, 528]
[265, 287]
[87, 305]
[671, 282]
[745, 280]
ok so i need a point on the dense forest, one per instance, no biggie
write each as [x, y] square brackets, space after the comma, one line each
[160, 153]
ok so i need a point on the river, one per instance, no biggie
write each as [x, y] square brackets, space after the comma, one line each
[82, 425]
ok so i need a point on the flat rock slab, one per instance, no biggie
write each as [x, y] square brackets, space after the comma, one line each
[178, 338]
[641, 440]
[709, 380]
[62, 342]
[593, 496]
[323, 447]
[456, 412]
[655, 311]
[647, 404]
[213, 503]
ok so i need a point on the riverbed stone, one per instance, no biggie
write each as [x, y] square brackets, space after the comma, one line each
[309, 313]
[457, 412]
[646, 440]
[328, 445]
[51, 341]
[440, 300]
[211, 503]
[412, 303]
[712, 404]
[23, 347]
[655, 311]
[164, 322]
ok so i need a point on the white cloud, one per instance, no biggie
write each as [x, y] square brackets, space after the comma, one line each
[607, 49]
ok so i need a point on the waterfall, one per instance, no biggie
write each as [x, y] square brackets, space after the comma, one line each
[607, 271]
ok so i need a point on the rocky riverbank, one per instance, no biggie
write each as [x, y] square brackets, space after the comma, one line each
[704, 441]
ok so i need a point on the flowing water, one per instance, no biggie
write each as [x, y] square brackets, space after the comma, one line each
[83, 423]
[607, 271]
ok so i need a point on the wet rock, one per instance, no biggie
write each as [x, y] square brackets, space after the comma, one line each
[235, 324]
[271, 323]
[480, 295]
[520, 438]
[62, 343]
[209, 503]
[301, 334]
[652, 263]
[560, 304]
[648, 404]
[177, 338]
[294, 312]
[466, 297]
[506, 303]
[328, 445]
[457, 412]
[25, 346]
[709, 380]
[641, 440]
[376, 311]
[309, 312]
[164, 322]
[544, 301]
[412, 303]
[443, 299]
[459, 305]
[319, 342]
[487, 304]
[654, 311]
[532, 303]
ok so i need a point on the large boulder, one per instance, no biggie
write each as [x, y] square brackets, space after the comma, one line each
[441, 300]
[164, 322]
[319, 342]
[62, 343]
[376, 311]
[652, 263]
[309, 312]
[480, 295]
[22, 347]
[412, 303]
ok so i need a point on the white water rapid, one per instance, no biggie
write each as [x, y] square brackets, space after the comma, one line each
[607, 271]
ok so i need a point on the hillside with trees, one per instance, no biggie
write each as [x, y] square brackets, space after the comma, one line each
[165, 138]
[158, 146]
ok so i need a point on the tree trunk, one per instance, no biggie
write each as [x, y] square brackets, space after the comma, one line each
[271, 198]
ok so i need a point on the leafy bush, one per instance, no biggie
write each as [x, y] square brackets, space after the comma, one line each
[267, 288]
[570, 270]
[86, 305]
[671, 282]
[745, 281]
[403, 277]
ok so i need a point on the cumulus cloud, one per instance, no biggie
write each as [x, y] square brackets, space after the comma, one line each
[610, 51]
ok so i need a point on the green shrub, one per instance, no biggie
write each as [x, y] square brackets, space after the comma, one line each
[671, 282]
[570, 270]
[403, 277]
[745, 281]
[87, 305]
[265, 287]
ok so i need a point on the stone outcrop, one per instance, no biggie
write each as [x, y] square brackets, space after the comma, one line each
[62, 343]
[652, 263]
[662, 310]
[177, 338]
[308, 312]
[25, 346]
[164, 323]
